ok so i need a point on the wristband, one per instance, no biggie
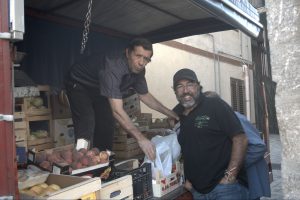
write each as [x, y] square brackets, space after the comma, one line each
[228, 174]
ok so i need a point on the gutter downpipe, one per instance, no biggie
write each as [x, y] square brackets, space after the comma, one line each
[246, 79]
[247, 90]
[216, 77]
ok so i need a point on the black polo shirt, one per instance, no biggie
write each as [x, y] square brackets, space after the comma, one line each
[110, 73]
[205, 138]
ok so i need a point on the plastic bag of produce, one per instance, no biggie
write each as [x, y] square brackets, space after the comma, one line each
[162, 164]
[172, 142]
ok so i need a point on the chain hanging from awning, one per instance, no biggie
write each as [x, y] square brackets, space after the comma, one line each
[86, 29]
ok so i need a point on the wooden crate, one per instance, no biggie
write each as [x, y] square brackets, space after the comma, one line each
[24, 104]
[120, 131]
[19, 120]
[159, 123]
[132, 105]
[164, 185]
[20, 126]
[125, 146]
[144, 119]
[120, 188]
[128, 154]
[40, 123]
[72, 187]
[20, 135]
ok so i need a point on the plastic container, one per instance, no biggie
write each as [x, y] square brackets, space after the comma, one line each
[141, 177]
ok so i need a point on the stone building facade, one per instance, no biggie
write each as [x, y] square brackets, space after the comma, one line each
[283, 18]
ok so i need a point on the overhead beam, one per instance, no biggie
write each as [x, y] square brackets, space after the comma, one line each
[193, 27]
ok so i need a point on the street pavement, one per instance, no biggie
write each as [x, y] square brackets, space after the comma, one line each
[276, 185]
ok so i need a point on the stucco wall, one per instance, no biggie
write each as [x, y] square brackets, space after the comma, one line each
[167, 60]
[283, 18]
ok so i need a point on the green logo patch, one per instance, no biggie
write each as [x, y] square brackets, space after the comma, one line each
[201, 121]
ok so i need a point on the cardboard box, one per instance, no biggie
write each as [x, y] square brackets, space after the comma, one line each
[60, 110]
[120, 188]
[72, 187]
[63, 132]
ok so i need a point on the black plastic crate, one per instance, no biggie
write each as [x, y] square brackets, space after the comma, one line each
[142, 180]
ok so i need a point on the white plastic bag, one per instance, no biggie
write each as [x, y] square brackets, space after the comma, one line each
[167, 152]
[163, 161]
[172, 143]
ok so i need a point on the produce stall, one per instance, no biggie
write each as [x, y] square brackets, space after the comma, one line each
[130, 178]
[52, 41]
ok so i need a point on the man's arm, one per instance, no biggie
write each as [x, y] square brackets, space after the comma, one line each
[256, 146]
[154, 104]
[121, 116]
[239, 148]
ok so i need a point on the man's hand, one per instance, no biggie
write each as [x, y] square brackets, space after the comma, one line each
[188, 185]
[124, 120]
[148, 148]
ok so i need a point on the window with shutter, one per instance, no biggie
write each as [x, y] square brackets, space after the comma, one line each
[238, 95]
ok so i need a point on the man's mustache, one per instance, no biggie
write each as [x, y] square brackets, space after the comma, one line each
[186, 94]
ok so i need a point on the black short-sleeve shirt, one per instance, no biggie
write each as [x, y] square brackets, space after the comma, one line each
[205, 138]
[110, 73]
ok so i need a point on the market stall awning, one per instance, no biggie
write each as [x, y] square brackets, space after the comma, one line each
[159, 20]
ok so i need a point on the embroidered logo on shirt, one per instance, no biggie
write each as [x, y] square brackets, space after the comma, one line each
[201, 121]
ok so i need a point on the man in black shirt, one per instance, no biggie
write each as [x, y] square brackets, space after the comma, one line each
[95, 88]
[212, 140]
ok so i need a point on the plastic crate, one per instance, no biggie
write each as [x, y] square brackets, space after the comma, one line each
[141, 177]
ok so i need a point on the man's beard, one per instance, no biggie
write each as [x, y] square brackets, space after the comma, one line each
[190, 103]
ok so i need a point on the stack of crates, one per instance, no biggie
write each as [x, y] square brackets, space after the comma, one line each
[37, 120]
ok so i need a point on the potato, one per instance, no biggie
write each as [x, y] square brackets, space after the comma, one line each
[47, 191]
[55, 187]
[37, 189]
[31, 193]
[43, 185]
